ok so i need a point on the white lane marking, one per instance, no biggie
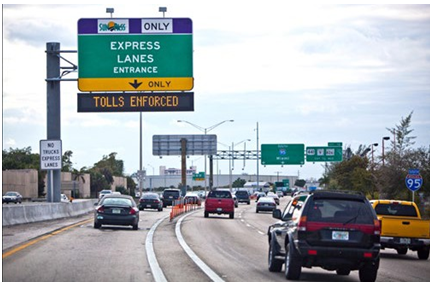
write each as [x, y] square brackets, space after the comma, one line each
[206, 269]
[150, 254]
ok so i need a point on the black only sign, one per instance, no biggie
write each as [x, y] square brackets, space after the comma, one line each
[136, 102]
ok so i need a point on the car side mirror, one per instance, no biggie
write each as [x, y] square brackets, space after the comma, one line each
[277, 214]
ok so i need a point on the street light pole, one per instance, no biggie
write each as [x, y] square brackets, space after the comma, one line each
[374, 144]
[383, 147]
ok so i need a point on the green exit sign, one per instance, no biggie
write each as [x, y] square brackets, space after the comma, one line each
[199, 176]
[282, 154]
[324, 154]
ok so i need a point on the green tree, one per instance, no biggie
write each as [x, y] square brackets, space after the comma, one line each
[238, 183]
[67, 165]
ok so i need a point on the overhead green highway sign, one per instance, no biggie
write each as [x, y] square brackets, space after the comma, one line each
[282, 154]
[324, 154]
[154, 54]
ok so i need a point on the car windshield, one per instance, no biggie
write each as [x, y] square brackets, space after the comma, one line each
[117, 202]
[10, 194]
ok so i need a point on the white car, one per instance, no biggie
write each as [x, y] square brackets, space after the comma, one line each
[64, 198]
[103, 193]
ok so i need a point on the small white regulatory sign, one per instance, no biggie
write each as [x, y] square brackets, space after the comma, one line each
[50, 154]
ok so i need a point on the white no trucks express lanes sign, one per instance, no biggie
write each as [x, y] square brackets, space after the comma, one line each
[50, 154]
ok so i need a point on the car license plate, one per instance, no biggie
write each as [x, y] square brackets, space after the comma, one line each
[219, 209]
[148, 206]
[340, 235]
[116, 211]
[405, 241]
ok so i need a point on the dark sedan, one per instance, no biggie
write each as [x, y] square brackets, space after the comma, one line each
[116, 210]
[150, 201]
[265, 204]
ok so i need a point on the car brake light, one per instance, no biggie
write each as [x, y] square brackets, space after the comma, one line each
[377, 224]
[132, 211]
[101, 209]
[302, 223]
[367, 255]
[312, 252]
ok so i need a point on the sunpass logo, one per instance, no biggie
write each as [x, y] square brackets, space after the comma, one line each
[113, 26]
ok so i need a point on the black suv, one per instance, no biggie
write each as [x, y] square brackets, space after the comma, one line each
[243, 197]
[170, 196]
[330, 229]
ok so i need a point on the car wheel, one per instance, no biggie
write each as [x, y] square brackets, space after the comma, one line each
[402, 251]
[369, 272]
[160, 209]
[248, 202]
[256, 210]
[232, 215]
[293, 265]
[206, 214]
[97, 225]
[275, 265]
[343, 271]
[423, 253]
[135, 226]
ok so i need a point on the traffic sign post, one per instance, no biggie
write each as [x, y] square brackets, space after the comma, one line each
[282, 154]
[135, 54]
[414, 181]
[324, 154]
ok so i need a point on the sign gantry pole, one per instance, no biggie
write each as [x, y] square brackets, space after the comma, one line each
[53, 114]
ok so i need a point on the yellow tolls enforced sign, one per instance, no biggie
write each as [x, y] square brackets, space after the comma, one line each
[136, 102]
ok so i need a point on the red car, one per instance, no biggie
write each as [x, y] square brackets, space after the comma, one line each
[219, 202]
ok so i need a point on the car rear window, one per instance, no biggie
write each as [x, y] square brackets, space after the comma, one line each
[171, 193]
[396, 210]
[340, 211]
[220, 194]
[117, 201]
[150, 196]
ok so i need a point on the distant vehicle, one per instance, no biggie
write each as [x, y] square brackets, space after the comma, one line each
[236, 203]
[116, 210]
[265, 204]
[332, 230]
[12, 197]
[402, 227]
[103, 193]
[259, 195]
[116, 193]
[170, 196]
[280, 193]
[219, 202]
[150, 201]
[298, 192]
[192, 199]
[274, 196]
[64, 198]
[243, 196]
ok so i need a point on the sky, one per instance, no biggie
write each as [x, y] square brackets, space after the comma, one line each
[308, 74]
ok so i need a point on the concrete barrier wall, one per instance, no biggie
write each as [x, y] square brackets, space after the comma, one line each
[27, 213]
